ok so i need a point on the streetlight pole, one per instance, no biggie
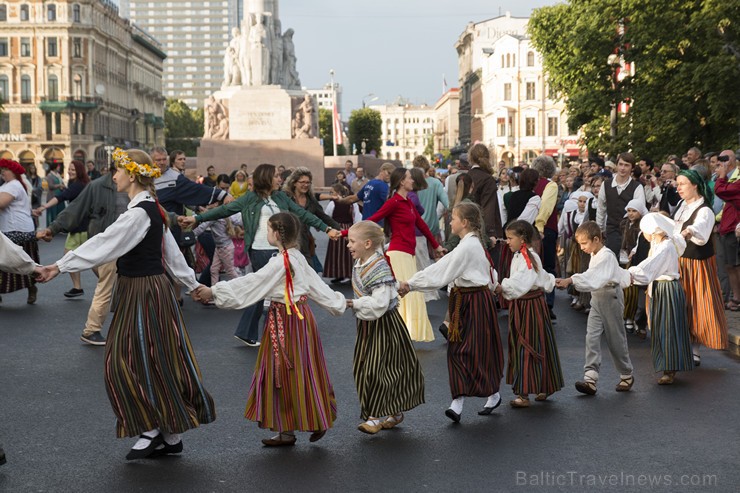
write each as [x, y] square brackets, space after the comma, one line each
[333, 113]
[372, 98]
[613, 61]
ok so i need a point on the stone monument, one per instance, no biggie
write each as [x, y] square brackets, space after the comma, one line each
[260, 114]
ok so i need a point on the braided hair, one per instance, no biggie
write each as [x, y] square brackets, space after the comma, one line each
[526, 232]
[287, 227]
[471, 212]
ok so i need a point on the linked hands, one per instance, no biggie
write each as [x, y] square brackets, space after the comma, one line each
[44, 234]
[440, 252]
[37, 211]
[202, 294]
[186, 222]
[563, 283]
[403, 288]
[47, 273]
[334, 234]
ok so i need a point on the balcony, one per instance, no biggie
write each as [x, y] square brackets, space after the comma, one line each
[55, 105]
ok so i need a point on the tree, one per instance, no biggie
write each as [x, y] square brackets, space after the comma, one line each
[429, 149]
[685, 89]
[365, 125]
[183, 126]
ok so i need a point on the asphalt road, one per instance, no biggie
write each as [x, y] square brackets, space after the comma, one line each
[58, 430]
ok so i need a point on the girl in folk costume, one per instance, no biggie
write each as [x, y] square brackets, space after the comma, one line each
[576, 260]
[387, 373]
[534, 364]
[630, 230]
[698, 264]
[401, 217]
[670, 338]
[338, 261]
[290, 389]
[151, 374]
[474, 356]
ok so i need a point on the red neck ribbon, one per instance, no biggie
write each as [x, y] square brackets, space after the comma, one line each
[525, 253]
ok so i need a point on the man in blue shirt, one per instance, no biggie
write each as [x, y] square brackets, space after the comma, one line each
[375, 192]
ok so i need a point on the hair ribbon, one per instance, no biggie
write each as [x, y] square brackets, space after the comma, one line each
[288, 291]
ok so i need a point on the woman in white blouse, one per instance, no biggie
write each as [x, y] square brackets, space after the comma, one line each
[695, 221]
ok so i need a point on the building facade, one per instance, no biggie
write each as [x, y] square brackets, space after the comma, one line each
[505, 99]
[76, 79]
[447, 121]
[406, 130]
[195, 36]
[323, 97]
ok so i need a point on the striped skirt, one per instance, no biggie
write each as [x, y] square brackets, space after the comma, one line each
[412, 307]
[387, 373]
[670, 338]
[534, 364]
[151, 375]
[475, 358]
[706, 315]
[424, 260]
[338, 262]
[291, 389]
[630, 302]
[10, 283]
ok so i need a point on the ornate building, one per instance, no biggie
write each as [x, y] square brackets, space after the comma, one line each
[406, 130]
[75, 78]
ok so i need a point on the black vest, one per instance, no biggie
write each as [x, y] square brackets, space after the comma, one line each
[517, 202]
[616, 202]
[694, 251]
[146, 258]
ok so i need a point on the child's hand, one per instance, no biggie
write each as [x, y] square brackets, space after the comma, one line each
[350, 304]
[498, 290]
[563, 283]
[403, 289]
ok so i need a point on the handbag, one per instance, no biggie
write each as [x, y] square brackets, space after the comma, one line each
[187, 239]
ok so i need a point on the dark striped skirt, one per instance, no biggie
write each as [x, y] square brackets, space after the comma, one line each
[670, 338]
[475, 358]
[506, 257]
[338, 263]
[630, 302]
[387, 373]
[706, 314]
[534, 363]
[291, 389]
[151, 375]
[10, 283]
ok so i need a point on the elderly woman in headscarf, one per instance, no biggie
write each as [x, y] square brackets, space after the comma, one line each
[695, 221]
[670, 338]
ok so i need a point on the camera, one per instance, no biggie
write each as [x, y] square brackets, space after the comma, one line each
[723, 159]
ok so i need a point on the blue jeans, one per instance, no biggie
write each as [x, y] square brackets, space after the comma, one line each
[550, 259]
[248, 327]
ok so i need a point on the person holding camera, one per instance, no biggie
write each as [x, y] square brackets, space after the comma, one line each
[728, 189]
[669, 197]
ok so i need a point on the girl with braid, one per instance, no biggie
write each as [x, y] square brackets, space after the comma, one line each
[534, 364]
[291, 390]
[151, 374]
[386, 370]
[475, 359]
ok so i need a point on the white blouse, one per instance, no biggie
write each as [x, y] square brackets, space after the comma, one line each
[120, 238]
[260, 236]
[269, 283]
[531, 210]
[466, 266]
[13, 259]
[17, 215]
[701, 230]
[603, 270]
[661, 265]
[522, 279]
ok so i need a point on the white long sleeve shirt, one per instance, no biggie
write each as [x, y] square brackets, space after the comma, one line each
[120, 238]
[466, 266]
[522, 279]
[13, 259]
[603, 271]
[661, 265]
[269, 283]
[701, 230]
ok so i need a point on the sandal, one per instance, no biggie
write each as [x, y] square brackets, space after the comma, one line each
[667, 378]
[520, 401]
[625, 384]
[733, 305]
[280, 440]
[542, 396]
[586, 387]
[392, 421]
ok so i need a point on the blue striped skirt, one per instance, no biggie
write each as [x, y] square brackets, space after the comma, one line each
[670, 337]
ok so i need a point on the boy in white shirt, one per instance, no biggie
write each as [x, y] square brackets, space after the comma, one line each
[605, 280]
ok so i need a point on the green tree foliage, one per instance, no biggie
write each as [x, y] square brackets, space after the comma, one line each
[686, 87]
[365, 125]
[183, 126]
[326, 133]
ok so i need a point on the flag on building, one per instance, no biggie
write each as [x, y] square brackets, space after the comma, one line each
[444, 84]
[337, 123]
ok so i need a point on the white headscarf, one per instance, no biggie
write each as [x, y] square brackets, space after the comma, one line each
[638, 205]
[654, 222]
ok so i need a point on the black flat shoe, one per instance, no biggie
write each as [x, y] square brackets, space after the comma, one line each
[155, 442]
[2, 456]
[166, 449]
[452, 415]
[488, 410]
[443, 330]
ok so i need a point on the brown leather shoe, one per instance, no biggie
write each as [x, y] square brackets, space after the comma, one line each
[32, 292]
[520, 401]
[280, 440]
[667, 378]
[316, 436]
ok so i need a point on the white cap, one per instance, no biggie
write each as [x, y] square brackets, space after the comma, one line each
[638, 205]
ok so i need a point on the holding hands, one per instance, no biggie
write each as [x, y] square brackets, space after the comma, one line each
[498, 290]
[403, 288]
[44, 234]
[563, 283]
[47, 273]
[440, 252]
[186, 222]
[202, 294]
[334, 234]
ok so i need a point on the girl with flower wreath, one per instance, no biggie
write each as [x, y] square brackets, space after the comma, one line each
[151, 375]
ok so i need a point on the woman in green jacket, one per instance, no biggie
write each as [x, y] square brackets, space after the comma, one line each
[256, 207]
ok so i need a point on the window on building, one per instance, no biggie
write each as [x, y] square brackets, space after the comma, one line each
[529, 127]
[25, 47]
[57, 123]
[513, 60]
[24, 13]
[4, 123]
[507, 91]
[530, 91]
[76, 13]
[53, 89]
[51, 12]
[3, 46]
[530, 59]
[52, 49]
[508, 60]
[4, 88]
[77, 47]
[501, 127]
[25, 89]
[3, 13]
[26, 123]
[552, 126]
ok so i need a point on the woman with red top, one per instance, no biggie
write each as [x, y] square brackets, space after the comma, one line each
[401, 217]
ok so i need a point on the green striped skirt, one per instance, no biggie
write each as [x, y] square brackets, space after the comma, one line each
[387, 373]
[151, 375]
[534, 363]
[670, 338]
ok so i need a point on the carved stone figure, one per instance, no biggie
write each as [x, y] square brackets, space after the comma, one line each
[290, 73]
[222, 130]
[276, 55]
[300, 129]
[259, 54]
[309, 114]
[214, 110]
[233, 68]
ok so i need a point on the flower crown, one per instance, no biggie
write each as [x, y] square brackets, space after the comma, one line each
[120, 157]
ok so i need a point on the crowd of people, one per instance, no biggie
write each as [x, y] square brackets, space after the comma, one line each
[637, 246]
